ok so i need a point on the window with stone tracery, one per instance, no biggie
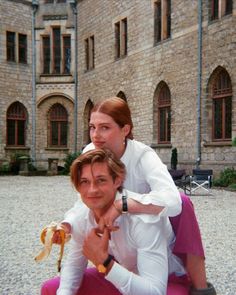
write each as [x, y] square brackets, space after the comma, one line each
[222, 107]
[16, 124]
[58, 121]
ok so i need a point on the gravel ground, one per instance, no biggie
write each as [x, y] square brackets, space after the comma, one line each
[29, 203]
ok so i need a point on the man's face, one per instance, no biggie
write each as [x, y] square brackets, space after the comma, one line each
[97, 187]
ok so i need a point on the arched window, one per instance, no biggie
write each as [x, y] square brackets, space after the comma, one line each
[16, 124]
[222, 107]
[122, 95]
[58, 118]
[164, 118]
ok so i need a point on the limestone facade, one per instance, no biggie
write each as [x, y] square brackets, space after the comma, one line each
[137, 75]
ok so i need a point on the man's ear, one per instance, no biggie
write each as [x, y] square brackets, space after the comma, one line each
[118, 182]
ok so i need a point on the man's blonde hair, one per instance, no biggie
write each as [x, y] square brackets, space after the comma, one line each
[115, 167]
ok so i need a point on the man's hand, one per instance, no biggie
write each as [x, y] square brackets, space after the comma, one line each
[110, 216]
[56, 238]
[95, 246]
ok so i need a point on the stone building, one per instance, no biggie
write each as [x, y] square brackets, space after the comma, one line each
[174, 62]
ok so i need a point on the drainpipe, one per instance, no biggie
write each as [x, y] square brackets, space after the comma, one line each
[33, 102]
[199, 84]
[73, 4]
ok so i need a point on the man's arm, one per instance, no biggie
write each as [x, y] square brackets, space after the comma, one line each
[152, 262]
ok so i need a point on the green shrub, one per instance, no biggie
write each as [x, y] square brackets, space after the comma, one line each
[227, 177]
[174, 159]
[68, 161]
[233, 186]
[234, 142]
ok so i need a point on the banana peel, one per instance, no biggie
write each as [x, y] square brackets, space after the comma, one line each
[46, 238]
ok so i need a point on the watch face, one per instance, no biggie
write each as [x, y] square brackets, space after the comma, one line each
[101, 268]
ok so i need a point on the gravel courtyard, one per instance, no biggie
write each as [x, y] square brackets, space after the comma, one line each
[29, 203]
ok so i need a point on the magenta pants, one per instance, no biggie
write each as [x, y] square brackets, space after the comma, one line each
[187, 232]
[95, 284]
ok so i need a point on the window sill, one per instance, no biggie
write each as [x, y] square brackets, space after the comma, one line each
[56, 148]
[121, 57]
[217, 144]
[157, 43]
[161, 145]
[17, 148]
[55, 75]
[89, 70]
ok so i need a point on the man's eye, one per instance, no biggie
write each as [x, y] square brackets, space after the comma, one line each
[101, 180]
[91, 127]
[84, 181]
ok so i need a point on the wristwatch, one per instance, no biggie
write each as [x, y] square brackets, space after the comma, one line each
[124, 204]
[102, 268]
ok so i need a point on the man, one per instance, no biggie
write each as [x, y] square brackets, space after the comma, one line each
[131, 258]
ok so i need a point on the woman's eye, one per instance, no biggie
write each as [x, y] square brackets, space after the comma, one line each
[84, 181]
[105, 127]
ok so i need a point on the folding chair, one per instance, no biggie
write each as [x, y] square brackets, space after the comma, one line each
[201, 179]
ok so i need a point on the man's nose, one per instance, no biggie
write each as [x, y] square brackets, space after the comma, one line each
[93, 188]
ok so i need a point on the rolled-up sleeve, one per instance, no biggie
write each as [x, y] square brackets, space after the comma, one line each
[152, 176]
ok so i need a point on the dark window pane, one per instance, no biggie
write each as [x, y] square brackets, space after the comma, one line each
[21, 132]
[63, 139]
[117, 39]
[168, 18]
[218, 119]
[125, 37]
[67, 54]
[57, 50]
[157, 22]
[61, 1]
[214, 9]
[46, 55]
[168, 124]
[11, 127]
[228, 117]
[10, 46]
[162, 125]
[228, 7]
[22, 48]
[54, 133]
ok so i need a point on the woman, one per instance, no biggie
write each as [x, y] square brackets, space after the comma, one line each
[111, 127]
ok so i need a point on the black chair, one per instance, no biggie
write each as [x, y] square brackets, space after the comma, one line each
[180, 178]
[201, 179]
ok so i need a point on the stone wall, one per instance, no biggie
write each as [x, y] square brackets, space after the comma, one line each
[174, 61]
[15, 78]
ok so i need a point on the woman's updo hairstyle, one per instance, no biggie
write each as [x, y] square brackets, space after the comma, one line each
[118, 109]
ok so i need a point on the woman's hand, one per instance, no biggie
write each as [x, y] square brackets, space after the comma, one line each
[110, 216]
[95, 246]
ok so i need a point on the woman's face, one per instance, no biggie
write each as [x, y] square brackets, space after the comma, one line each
[106, 133]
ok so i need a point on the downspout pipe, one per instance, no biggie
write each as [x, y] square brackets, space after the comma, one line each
[33, 101]
[199, 84]
[73, 4]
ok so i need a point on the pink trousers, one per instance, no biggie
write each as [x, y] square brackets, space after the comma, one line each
[95, 284]
[187, 232]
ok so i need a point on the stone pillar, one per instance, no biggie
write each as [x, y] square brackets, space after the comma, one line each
[52, 166]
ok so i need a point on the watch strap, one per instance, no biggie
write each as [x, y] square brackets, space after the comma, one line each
[124, 204]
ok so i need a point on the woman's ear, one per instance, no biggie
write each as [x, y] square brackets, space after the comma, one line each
[126, 129]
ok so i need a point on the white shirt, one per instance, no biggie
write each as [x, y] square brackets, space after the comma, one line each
[148, 176]
[141, 249]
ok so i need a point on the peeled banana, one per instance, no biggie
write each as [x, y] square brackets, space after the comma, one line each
[46, 238]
